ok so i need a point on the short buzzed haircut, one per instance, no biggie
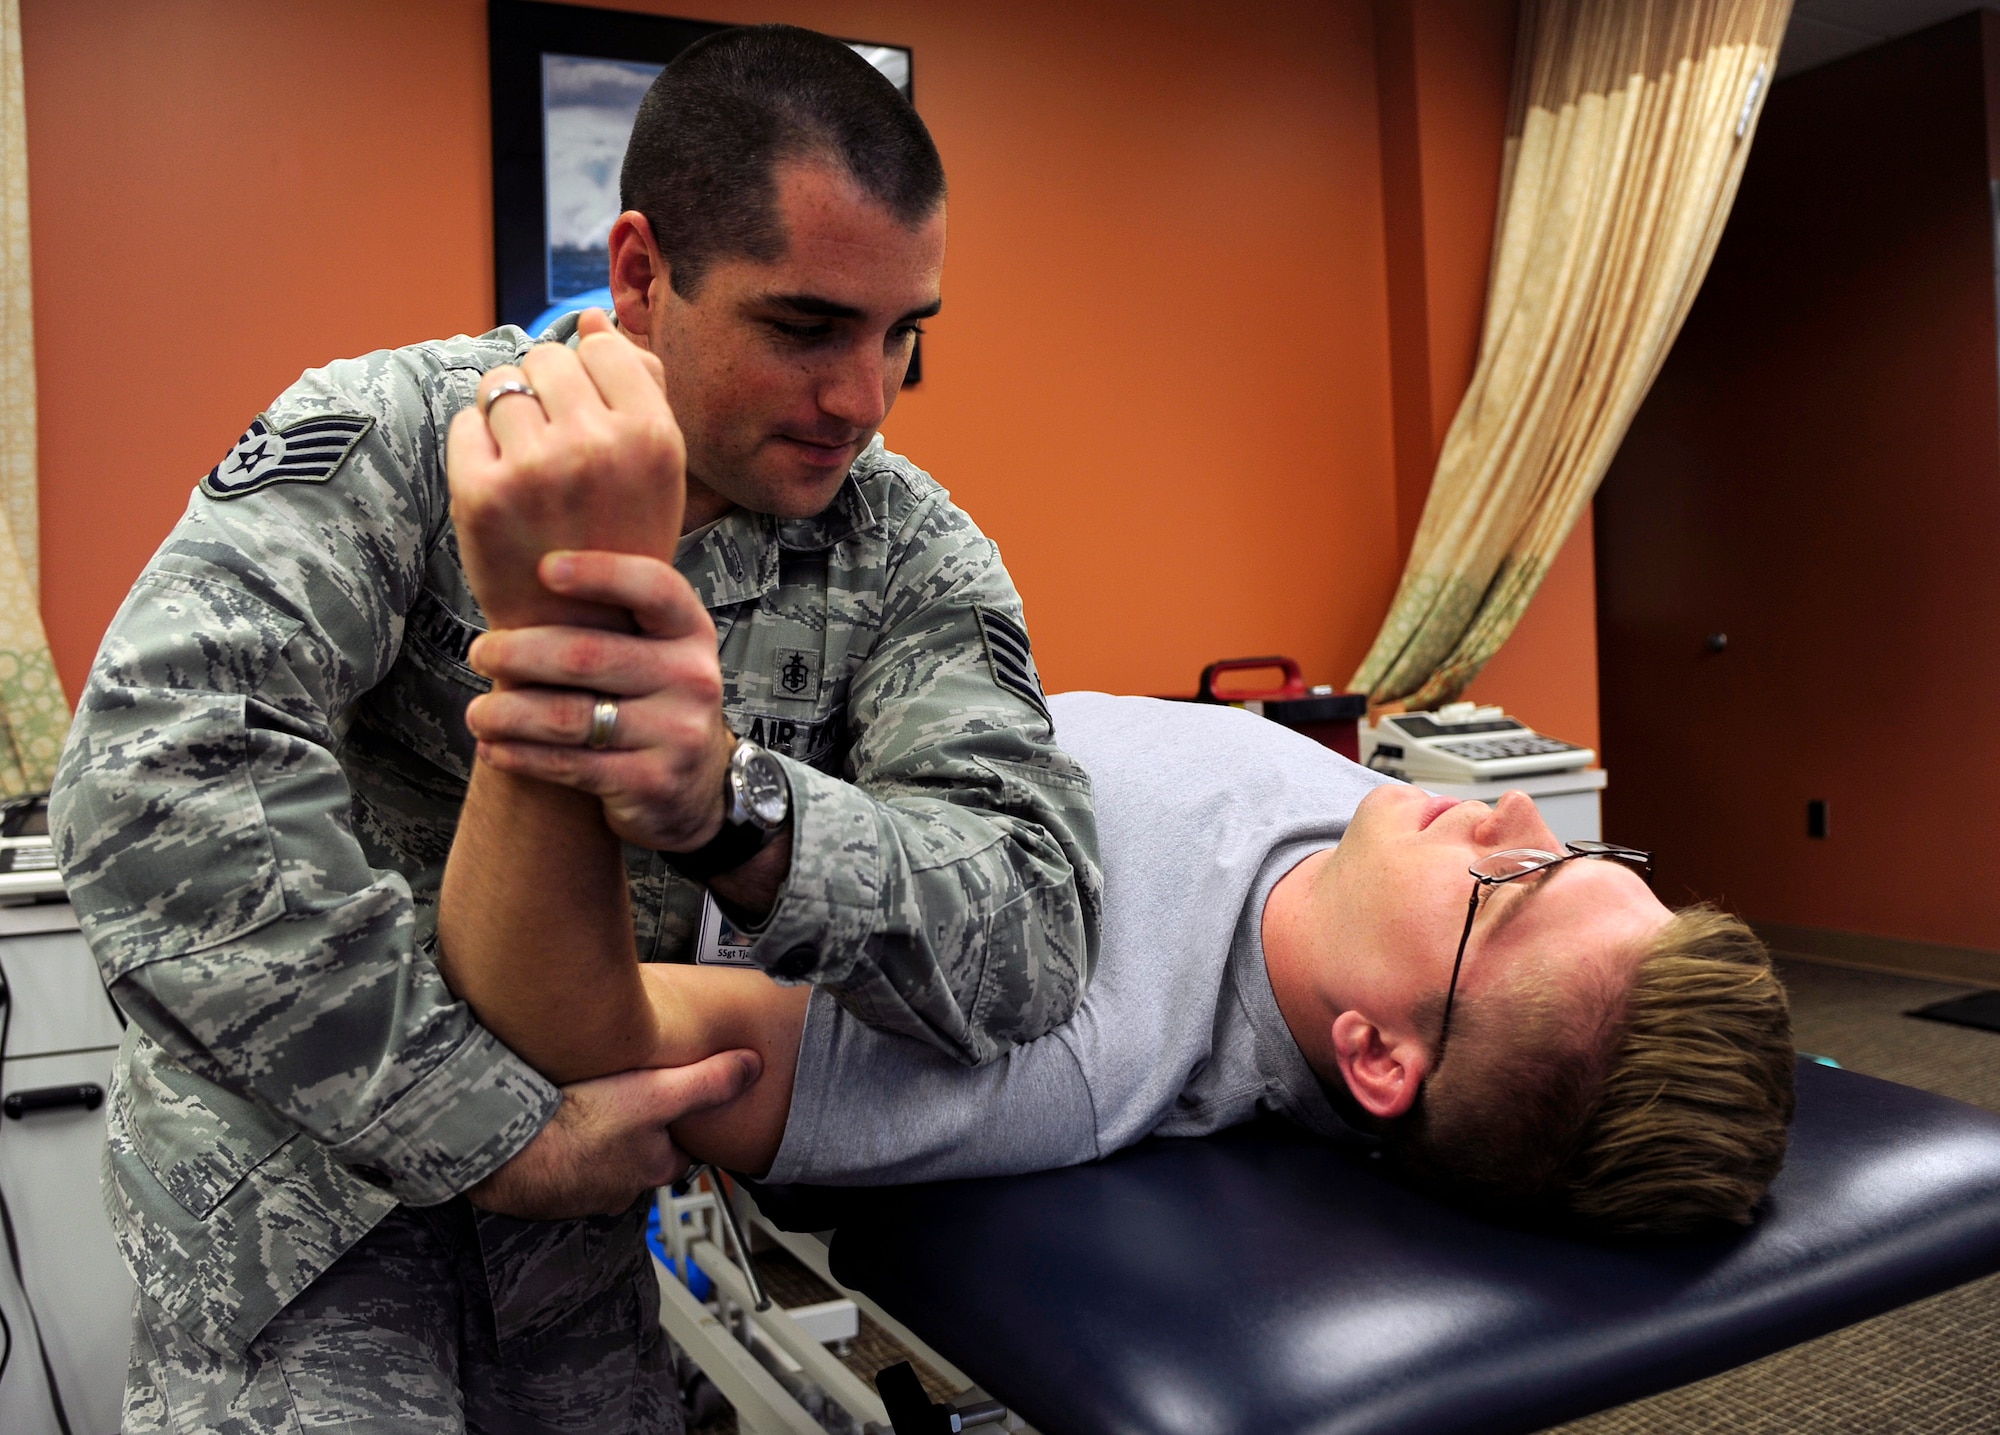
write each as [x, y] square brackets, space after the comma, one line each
[702, 161]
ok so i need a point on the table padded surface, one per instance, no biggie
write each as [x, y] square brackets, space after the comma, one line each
[1264, 1281]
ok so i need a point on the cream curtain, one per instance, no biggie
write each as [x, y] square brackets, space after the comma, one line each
[1632, 120]
[32, 711]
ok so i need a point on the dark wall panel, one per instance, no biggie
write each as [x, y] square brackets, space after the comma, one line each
[1817, 476]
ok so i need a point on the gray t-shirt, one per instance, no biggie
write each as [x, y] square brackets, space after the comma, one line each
[1200, 810]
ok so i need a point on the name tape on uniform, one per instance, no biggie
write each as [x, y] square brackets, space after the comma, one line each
[721, 945]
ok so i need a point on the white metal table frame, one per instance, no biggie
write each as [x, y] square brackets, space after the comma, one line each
[723, 1341]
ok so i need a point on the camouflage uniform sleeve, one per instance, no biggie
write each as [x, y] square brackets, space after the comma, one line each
[950, 889]
[203, 822]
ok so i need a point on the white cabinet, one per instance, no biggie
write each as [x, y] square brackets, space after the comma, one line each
[62, 1035]
[1569, 801]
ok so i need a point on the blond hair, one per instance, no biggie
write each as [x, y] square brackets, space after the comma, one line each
[1658, 1110]
[1691, 1123]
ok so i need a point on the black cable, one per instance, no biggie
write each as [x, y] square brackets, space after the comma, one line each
[34, 1321]
[6, 1020]
[14, 1247]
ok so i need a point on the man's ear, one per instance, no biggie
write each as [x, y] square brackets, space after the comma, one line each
[1381, 1074]
[636, 267]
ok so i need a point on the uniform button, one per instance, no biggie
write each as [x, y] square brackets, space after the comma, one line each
[795, 963]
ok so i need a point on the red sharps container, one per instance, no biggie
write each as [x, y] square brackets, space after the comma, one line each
[1329, 718]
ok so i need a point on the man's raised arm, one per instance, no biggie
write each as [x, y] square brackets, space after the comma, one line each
[942, 884]
[534, 919]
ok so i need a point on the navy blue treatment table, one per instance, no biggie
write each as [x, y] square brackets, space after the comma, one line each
[1266, 1282]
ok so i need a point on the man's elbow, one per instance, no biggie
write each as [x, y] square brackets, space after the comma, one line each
[1040, 950]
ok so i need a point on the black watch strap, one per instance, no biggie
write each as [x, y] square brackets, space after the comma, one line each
[729, 849]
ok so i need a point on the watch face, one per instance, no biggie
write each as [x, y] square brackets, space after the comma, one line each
[765, 793]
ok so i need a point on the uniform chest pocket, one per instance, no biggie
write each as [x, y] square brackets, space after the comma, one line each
[787, 661]
[423, 699]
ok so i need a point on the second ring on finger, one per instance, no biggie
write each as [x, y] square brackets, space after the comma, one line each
[603, 723]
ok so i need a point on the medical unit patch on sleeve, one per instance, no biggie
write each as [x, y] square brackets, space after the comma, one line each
[1013, 664]
[307, 451]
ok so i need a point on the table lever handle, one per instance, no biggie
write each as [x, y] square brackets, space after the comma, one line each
[86, 1094]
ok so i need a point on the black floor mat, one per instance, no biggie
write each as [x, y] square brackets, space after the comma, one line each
[1981, 1009]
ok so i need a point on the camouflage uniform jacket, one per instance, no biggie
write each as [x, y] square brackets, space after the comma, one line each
[264, 775]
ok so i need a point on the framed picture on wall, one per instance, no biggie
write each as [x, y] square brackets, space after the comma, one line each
[567, 81]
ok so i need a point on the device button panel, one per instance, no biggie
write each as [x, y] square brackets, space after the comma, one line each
[1492, 748]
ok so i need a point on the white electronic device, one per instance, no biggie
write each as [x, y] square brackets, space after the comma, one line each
[1464, 742]
[27, 856]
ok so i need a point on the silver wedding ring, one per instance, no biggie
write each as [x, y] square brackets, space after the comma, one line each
[501, 390]
[603, 723]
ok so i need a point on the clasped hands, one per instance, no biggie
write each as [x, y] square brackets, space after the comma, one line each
[568, 505]
[567, 502]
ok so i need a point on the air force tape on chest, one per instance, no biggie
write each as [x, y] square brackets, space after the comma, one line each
[720, 944]
[307, 450]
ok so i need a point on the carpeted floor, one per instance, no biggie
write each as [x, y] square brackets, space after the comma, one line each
[1928, 1369]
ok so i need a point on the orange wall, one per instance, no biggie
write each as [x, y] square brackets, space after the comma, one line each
[1445, 70]
[1547, 673]
[1161, 381]
[222, 195]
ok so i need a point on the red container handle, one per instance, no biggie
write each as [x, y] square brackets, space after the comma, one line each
[1294, 685]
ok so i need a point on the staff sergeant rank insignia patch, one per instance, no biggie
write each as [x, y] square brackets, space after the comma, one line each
[1013, 664]
[307, 452]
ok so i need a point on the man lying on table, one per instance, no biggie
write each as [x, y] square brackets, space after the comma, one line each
[1518, 1020]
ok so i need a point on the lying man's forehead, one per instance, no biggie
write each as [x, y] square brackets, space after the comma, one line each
[1573, 896]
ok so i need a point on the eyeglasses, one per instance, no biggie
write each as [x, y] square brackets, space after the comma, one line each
[1511, 866]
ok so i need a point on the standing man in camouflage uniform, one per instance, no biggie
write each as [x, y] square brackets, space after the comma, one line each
[320, 1163]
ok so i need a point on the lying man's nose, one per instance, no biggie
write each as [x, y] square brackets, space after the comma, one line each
[1519, 822]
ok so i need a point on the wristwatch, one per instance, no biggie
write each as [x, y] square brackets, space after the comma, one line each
[756, 805]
